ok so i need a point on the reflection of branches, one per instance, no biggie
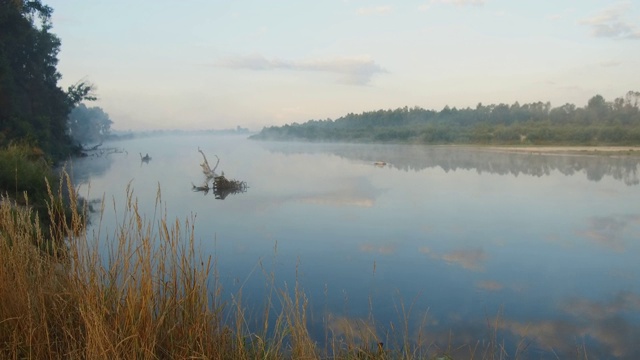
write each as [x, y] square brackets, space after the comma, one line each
[204, 188]
[222, 187]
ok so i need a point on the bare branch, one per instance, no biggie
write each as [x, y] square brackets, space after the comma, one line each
[206, 169]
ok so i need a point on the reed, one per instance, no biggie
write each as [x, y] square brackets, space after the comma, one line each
[146, 292]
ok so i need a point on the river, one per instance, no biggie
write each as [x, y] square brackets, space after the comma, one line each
[465, 244]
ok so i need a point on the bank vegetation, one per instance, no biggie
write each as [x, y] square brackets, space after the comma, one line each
[599, 123]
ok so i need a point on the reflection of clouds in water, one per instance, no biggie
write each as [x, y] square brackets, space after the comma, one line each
[562, 243]
[240, 248]
[470, 259]
[384, 249]
[489, 285]
[593, 311]
[609, 231]
[339, 198]
[606, 323]
[626, 274]
[83, 169]
[355, 191]
[358, 330]
[557, 335]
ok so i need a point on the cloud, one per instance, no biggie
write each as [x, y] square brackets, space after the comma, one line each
[610, 23]
[374, 10]
[353, 70]
[460, 2]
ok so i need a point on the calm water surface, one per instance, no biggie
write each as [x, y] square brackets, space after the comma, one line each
[458, 236]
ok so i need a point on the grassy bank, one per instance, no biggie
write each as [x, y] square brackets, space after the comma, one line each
[26, 177]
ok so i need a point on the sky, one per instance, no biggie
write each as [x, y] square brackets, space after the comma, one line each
[218, 64]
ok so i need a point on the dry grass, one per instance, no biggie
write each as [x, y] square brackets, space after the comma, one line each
[145, 292]
[147, 297]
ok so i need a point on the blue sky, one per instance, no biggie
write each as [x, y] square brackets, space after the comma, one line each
[212, 64]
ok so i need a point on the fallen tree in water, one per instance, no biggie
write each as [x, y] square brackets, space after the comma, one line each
[96, 151]
[220, 185]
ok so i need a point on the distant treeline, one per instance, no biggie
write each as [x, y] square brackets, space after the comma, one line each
[600, 122]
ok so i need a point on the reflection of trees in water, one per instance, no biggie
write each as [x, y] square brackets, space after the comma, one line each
[449, 158]
[83, 169]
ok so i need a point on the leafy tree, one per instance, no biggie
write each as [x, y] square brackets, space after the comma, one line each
[32, 106]
[87, 125]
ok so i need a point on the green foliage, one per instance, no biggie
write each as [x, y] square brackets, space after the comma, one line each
[88, 125]
[79, 92]
[32, 106]
[599, 123]
[27, 177]
[24, 169]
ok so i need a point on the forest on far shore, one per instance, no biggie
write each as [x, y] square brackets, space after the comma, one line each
[600, 122]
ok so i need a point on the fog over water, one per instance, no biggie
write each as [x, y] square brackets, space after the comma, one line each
[549, 243]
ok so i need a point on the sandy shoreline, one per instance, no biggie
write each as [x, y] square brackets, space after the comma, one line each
[586, 150]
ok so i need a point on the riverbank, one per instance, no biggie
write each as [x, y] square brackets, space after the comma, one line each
[572, 150]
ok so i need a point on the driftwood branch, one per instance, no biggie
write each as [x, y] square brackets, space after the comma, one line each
[206, 169]
[220, 185]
